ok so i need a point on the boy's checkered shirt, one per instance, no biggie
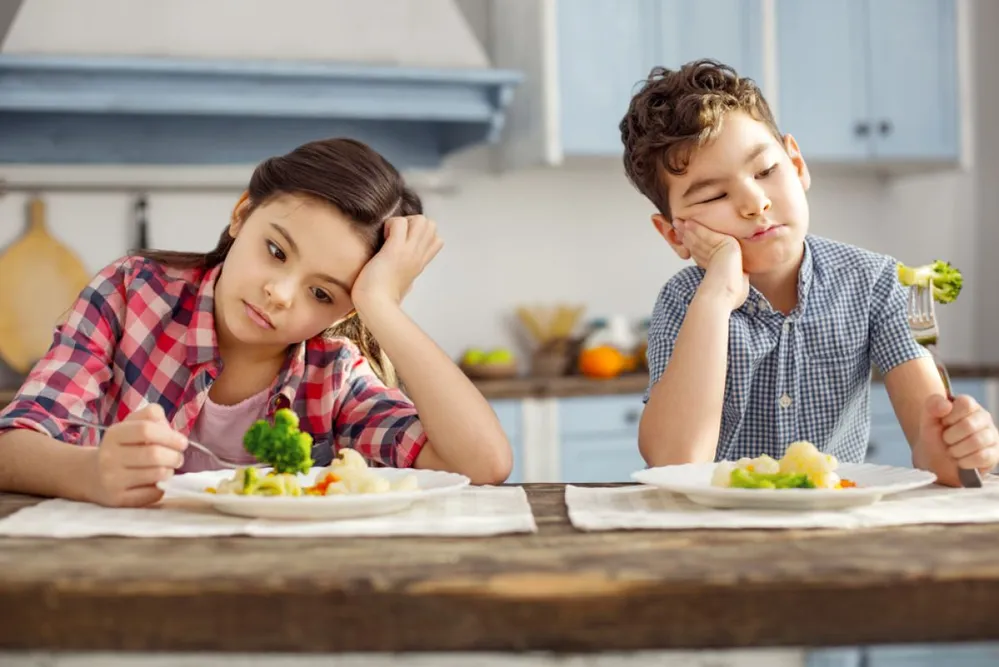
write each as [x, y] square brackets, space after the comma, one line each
[142, 333]
[804, 376]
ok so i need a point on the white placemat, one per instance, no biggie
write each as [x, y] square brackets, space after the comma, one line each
[643, 507]
[475, 511]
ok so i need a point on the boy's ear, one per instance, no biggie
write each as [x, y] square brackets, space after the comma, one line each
[665, 228]
[793, 152]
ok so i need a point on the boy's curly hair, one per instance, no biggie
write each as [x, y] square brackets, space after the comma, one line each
[675, 112]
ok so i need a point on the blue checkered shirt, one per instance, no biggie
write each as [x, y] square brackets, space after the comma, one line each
[804, 376]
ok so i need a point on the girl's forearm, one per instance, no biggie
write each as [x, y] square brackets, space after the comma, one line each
[39, 465]
[463, 432]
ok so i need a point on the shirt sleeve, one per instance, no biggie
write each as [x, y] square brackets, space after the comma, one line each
[378, 421]
[667, 317]
[891, 341]
[76, 370]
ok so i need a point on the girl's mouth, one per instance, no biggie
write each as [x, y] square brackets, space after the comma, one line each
[258, 317]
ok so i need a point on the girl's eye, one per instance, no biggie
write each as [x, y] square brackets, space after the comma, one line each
[769, 170]
[275, 251]
[321, 295]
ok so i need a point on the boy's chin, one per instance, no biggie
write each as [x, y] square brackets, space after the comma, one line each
[767, 260]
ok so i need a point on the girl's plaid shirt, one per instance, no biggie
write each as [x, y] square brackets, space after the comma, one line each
[141, 332]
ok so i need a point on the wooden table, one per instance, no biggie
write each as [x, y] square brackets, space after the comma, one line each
[559, 589]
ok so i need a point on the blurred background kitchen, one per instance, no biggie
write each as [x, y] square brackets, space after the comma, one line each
[504, 114]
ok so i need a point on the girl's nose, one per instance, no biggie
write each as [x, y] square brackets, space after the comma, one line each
[279, 292]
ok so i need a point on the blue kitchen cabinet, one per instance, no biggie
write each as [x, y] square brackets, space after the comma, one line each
[911, 655]
[598, 438]
[869, 80]
[985, 654]
[510, 417]
[887, 444]
[606, 49]
[584, 59]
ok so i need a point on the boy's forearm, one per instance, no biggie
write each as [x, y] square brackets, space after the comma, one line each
[464, 433]
[682, 419]
[37, 464]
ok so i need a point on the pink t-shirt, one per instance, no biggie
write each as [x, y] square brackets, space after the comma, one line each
[221, 429]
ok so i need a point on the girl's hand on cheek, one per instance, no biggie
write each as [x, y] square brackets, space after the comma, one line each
[411, 243]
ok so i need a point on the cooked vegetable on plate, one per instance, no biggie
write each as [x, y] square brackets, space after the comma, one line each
[287, 450]
[803, 466]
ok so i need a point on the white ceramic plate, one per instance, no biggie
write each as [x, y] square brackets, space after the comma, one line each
[874, 482]
[431, 483]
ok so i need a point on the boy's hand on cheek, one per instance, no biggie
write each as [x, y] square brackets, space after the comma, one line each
[957, 435]
[721, 258]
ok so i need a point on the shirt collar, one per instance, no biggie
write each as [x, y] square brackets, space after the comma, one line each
[202, 342]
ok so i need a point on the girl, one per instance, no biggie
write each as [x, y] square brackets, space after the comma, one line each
[284, 312]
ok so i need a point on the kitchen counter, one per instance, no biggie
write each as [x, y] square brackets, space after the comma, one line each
[632, 383]
[636, 383]
[560, 589]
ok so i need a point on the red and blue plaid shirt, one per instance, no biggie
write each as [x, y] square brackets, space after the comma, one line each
[142, 333]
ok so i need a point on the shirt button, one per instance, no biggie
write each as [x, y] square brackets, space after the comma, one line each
[785, 401]
[787, 325]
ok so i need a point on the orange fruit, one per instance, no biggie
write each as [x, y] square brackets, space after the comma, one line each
[602, 361]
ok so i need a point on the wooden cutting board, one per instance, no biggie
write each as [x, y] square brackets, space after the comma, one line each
[40, 279]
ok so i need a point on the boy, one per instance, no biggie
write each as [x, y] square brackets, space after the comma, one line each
[771, 337]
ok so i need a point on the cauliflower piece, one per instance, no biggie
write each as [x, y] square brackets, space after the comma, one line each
[765, 465]
[722, 475]
[804, 457]
[348, 458]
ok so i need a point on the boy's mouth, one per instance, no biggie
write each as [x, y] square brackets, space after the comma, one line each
[765, 233]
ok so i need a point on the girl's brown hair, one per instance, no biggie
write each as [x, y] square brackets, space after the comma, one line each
[345, 173]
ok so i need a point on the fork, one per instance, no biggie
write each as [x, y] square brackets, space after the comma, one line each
[922, 317]
[197, 445]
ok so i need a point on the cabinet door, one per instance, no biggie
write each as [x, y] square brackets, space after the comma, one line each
[601, 458]
[598, 438]
[934, 655]
[510, 418]
[730, 31]
[913, 63]
[822, 78]
[605, 50]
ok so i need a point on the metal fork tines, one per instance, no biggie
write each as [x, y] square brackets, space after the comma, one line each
[197, 445]
[922, 316]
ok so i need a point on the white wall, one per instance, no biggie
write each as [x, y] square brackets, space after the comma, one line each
[580, 234]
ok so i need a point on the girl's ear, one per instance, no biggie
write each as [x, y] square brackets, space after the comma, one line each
[239, 214]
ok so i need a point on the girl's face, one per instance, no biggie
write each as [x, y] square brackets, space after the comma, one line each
[288, 275]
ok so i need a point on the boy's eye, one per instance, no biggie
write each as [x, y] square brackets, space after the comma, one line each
[715, 198]
[321, 295]
[769, 170]
[275, 251]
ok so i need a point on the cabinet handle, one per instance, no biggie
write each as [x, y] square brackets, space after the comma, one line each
[872, 449]
[885, 127]
[632, 416]
[862, 129]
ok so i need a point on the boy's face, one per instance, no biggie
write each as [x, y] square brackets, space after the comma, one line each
[746, 184]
